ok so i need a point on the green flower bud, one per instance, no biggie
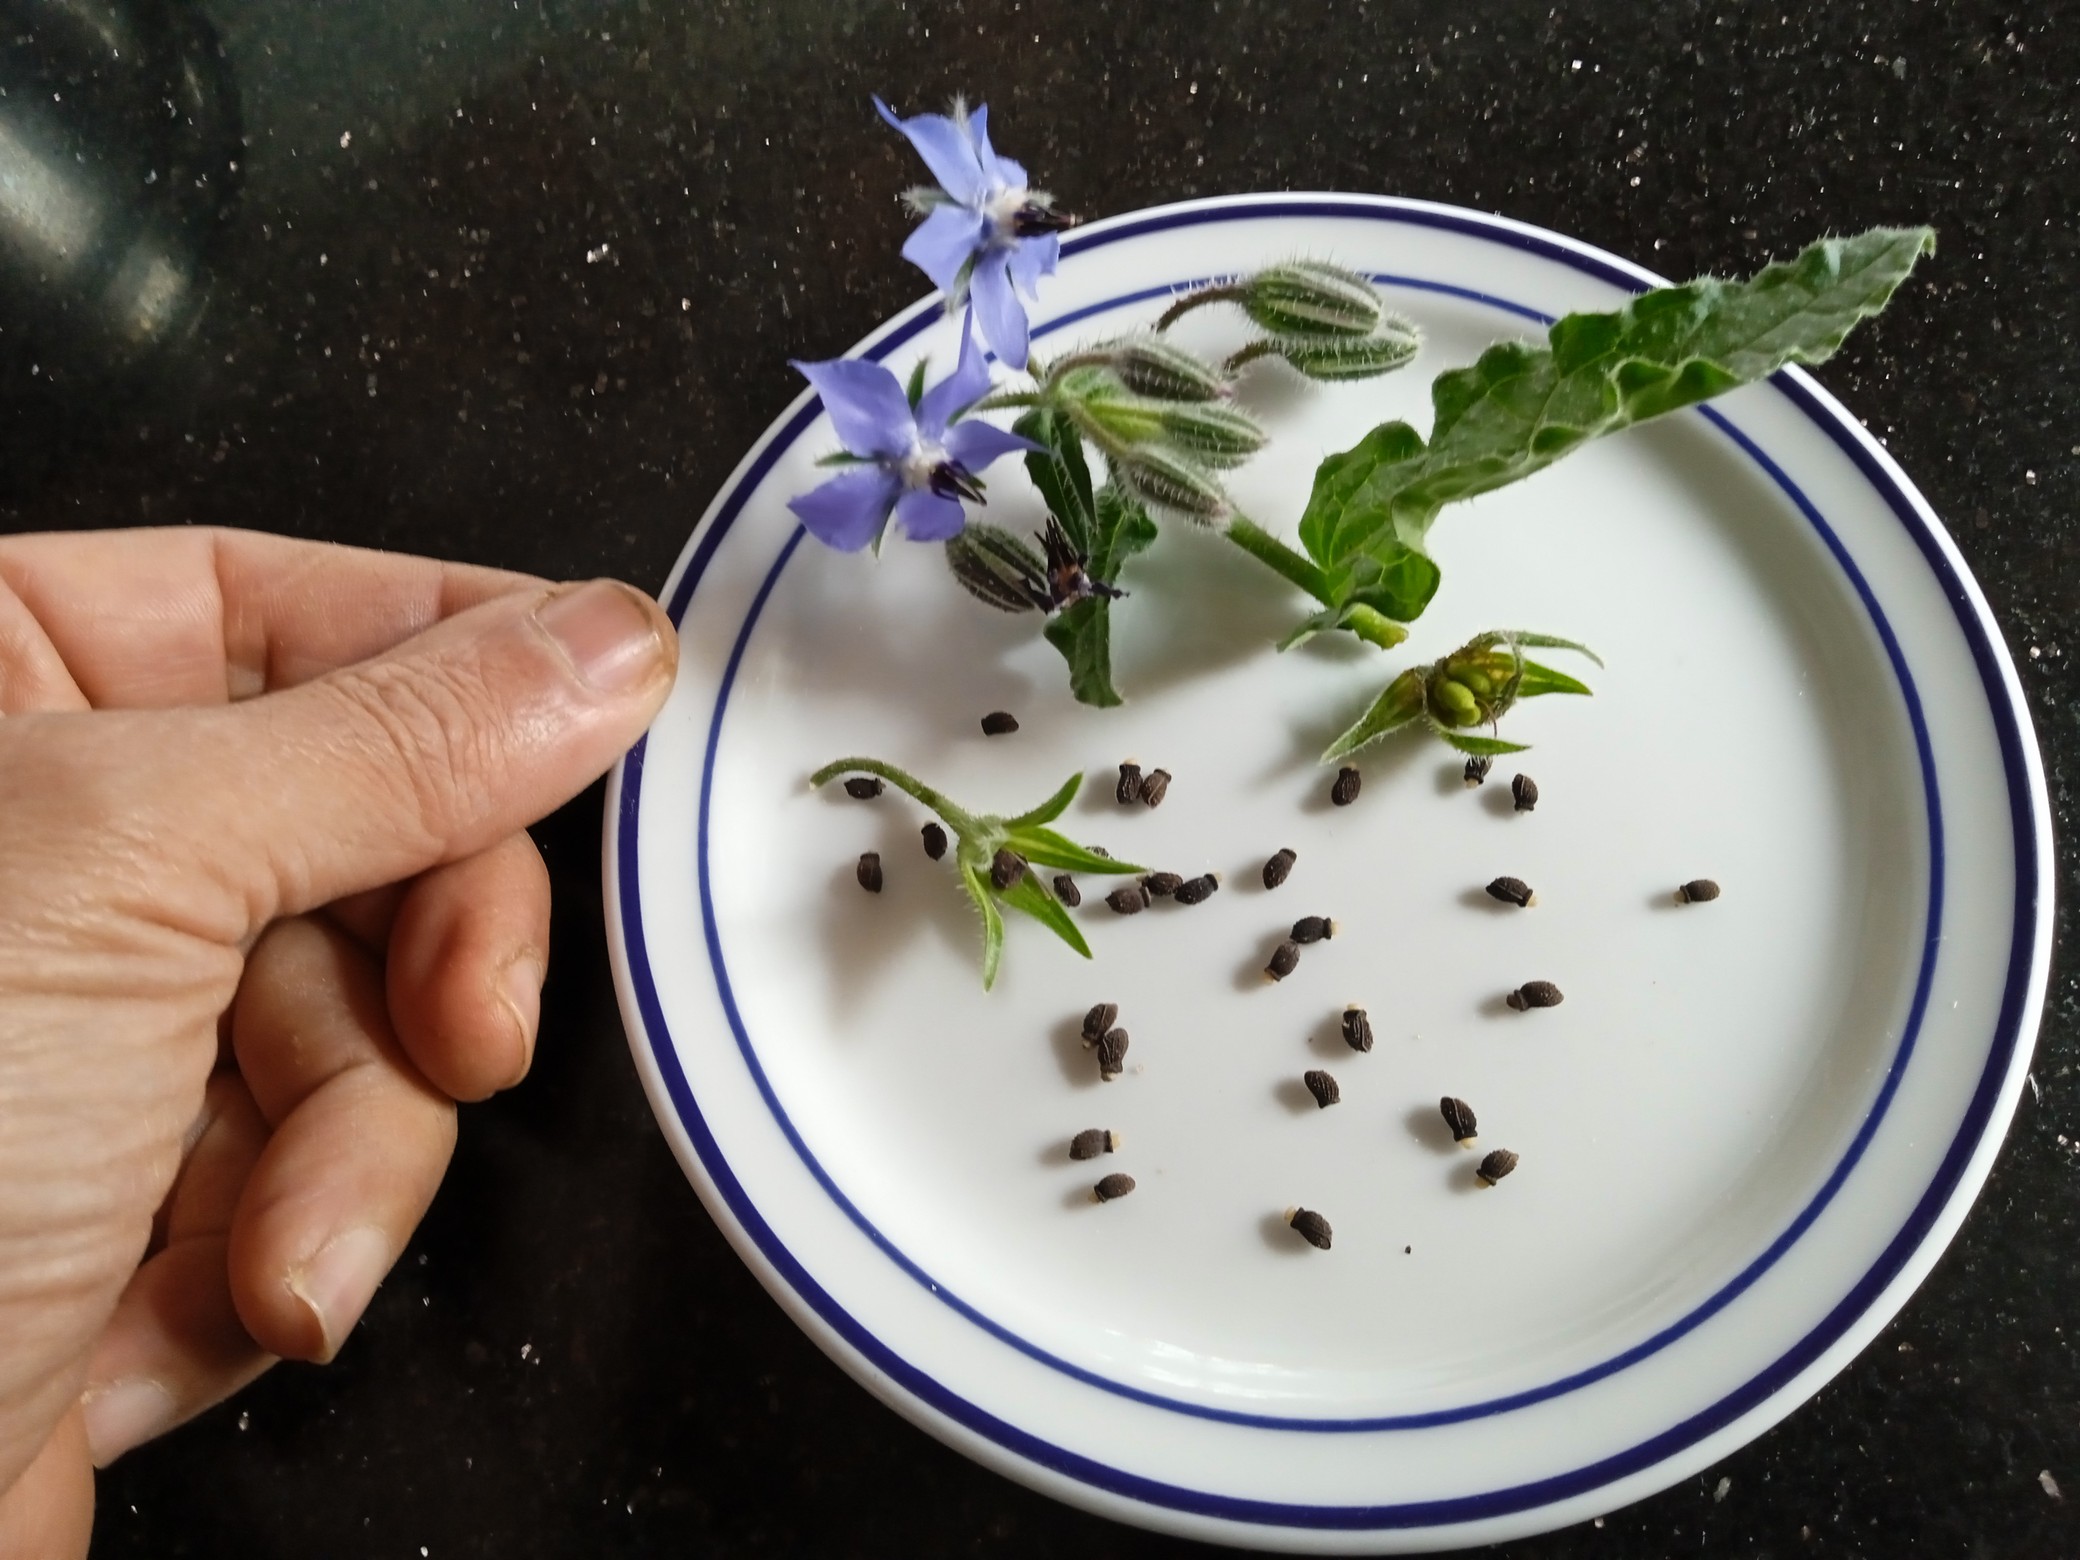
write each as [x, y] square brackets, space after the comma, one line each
[1162, 480]
[1153, 366]
[998, 568]
[1310, 298]
[1217, 436]
[1349, 357]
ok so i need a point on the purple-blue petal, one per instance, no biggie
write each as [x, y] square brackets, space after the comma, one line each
[976, 443]
[944, 241]
[946, 150]
[926, 517]
[866, 406]
[959, 390]
[848, 511]
[997, 172]
[997, 309]
[1034, 258]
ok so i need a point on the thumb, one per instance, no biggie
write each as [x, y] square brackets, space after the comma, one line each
[439, 748]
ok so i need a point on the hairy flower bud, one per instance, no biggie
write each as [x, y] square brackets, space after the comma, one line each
[1153, 366]
[1162, 480]
[997, 567]
[1311, 298]
[1216, 436]
[1349, 357]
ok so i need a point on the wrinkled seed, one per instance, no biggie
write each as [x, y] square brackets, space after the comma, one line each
[1278, 867]
[1345, 790]
[1313, 928]
[1323, 1087]
[1513, 891]
[999, 723]
[1458, 1115]
[1285, 958]
[1066, 891]
[1112, 1188]
[1312, 1227]
[1357, 1029]
[863, 788]
[1155, 788]
[1091, 1143]
[1523, 791]
[1698, 891]
[934, 840]
[1496, 1166]
[869, 871]
[1535, 994]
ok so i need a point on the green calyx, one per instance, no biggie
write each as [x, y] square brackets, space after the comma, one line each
[978, 837]
[1474, 686]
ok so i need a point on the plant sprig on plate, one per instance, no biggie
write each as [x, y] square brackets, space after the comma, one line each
[980, 841]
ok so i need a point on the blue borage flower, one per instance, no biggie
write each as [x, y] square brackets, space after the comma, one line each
[986, 231]
[917, 463]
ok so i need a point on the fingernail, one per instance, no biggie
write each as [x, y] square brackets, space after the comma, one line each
[520, 983]
[125, 1414]
[607, 630]
[340, 1280]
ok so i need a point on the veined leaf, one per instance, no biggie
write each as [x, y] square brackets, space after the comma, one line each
[1043, 847]
[1050, 809]
[992, 922]
[1083, 633]
[1400, 703]
[1029, 895]
[1537, 679]
[1062, 475]
[1487, 746]
[1519, 408]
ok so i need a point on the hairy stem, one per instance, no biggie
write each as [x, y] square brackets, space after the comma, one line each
[1194, 300]
[1275, 555]
[963, 822]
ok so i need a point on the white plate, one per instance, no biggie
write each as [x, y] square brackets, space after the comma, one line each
[1745, 1137]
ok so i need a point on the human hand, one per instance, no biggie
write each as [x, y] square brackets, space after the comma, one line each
[267, 911]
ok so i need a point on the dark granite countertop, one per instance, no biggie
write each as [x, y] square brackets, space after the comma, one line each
[514, 281]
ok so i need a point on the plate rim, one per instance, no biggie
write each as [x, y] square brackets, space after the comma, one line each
[1885, 1284]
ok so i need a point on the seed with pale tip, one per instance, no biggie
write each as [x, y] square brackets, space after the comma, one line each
[999, 723]
[1113, 1187]
[1311, 1227]
[1496, 1166]
[1155, 788]
[1345, 790]
[863, 788]
[1278, 867]
[1066, 891]
[1090, 1144]
[1195, 890]
[1523, 790]
[1100, 1018]
[1130, 783]
[1458, 1115]
[1285, 958]
[1130, 900]
[1357, 1028]
[1162, 884]
[1006, 869]
[1534, 994]
[869, 871]
[1513, 891]
[1322, 1087]
[934, 840]
[1313, 928]
[1112, 1054]
[1698, 891]
[1477, 768]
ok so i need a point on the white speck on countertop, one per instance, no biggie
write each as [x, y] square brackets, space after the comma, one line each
[1719, 1490]
[346, 139]
[2050, 1484]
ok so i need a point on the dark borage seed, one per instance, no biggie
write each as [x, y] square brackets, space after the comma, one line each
[1099, 1019]
[1535, 994]
[1130, 900]
[1155, 788]
[869, 871]
[1196, 890]
[1092, 1143]
[1513, 891]
[1477, 768]
[1112, 1054]
[1323, 1087]
[1129, 784]
[934, 840]
[1313, 928]
[1112, 1187]
[999, 723]
[863, 788]
[1496, 1166]
[1162, 884]
[1523, 791]
[1357, 1029]
[1008, 867]
[1066, 891]
[1345, 790]
[1698, 891]
[1278, 868]
[1285, 958]
[1458, 1115]
[1311, 1227]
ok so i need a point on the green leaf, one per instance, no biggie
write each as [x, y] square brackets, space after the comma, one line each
[1083, 633]
[1050, 809]
[1490, 746]
[914, 390]
[1061, 474]
[1537, 679]
[1519, 408]
[992, 923]
[1394, 580]
[1046, 848]
[1519, 637]
[1360, 618]
[1029, 895]
[1401, 703]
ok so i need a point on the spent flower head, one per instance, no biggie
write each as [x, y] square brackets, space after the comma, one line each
[1476, 685]
[915, 461]
[987, 233]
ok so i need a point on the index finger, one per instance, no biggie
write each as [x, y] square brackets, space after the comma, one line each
[158, 618]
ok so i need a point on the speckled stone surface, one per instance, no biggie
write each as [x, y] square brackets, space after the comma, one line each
[514, 281]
